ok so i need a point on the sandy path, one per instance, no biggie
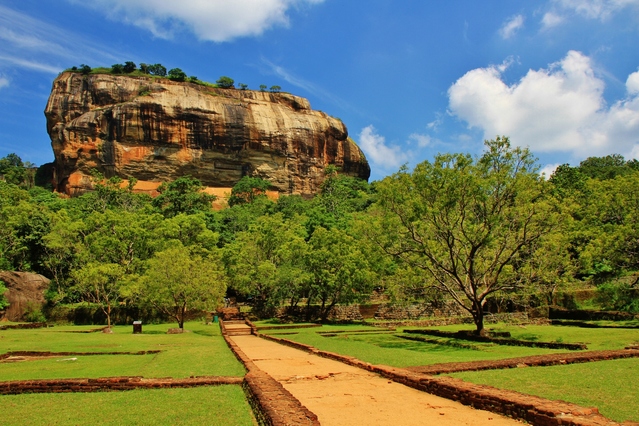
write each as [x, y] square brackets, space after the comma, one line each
[343, 395]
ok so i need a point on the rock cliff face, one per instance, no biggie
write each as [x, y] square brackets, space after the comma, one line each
[23, 289]
[156, 130]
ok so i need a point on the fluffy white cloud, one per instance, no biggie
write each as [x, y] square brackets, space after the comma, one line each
[422, 140]
[591, 9]
[376, 150]
[550, 110]
[595, 9]
[213, 20]
[551, 19]
[632, 83]
[511, 26]
[3, 82]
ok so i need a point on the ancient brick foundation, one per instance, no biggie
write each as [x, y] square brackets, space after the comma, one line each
[109, 384]
[527, 361]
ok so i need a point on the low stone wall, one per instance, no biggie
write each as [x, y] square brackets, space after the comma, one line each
[500, 341]
[508, 318]
[527, 361]
[30, 325]
[283, 327]
[535, 410]
[583, 324]
[556, 312]
[46, 354]
[109, 384]
[416, 311]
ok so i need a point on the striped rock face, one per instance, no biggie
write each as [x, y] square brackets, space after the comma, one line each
[156, 130]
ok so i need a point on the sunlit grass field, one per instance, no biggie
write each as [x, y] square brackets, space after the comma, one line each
[201, 352]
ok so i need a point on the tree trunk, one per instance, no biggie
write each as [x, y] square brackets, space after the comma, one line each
[478, 318]
[109, 316]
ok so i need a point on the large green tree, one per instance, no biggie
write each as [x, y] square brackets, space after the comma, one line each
[264, 263]
[183, 195]
[101, 284]
[339, 271]
[176, 281]
[466, 223]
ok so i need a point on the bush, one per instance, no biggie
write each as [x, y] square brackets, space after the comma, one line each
[225, 82]
[117, 68]
[3, 300]
[129, 67]
[33, 313]
[156, 69]
[177, 74]
[618, 297]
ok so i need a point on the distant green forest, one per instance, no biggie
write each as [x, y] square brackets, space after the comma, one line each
[460, 228]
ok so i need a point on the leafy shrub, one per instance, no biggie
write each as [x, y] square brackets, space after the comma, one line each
[225, 82]
[176, 74]
[3, 300]
[129, 67]
[33, 313]
[117, 69]
[618, 297]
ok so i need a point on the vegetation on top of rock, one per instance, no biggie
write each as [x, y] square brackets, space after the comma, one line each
[159, 70]
[225, 82]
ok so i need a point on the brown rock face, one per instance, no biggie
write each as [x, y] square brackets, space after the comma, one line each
[23, 288]
[156, 130]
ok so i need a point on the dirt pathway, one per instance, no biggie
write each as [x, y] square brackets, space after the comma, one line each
[343, 395]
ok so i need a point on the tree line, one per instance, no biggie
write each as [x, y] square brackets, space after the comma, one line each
[174, 74]
[460, 228]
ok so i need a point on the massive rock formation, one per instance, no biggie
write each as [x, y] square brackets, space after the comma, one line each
[156, 130]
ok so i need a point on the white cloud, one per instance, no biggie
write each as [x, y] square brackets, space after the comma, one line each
[376, 150]
[551, 19]
[511, 26]
[26, 42]
[548, 170]
[32, 65]
[595, 9]
[422, 140]
[3, 82]
[212, 20]
[560, 11]
[559, 109]
[632, 83]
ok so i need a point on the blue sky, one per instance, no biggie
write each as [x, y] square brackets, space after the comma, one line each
[409, 78]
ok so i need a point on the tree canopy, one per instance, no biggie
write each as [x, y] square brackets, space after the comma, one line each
[467, 222]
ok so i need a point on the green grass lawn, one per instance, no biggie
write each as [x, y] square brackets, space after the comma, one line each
[202, 352]
[212, 405]
[391, 350]
[595, 338]
[610, 386]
